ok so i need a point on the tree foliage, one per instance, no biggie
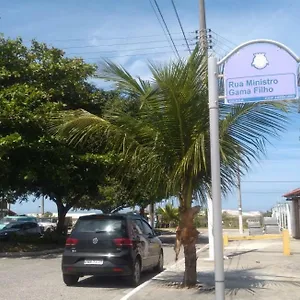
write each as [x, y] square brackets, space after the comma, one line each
[36, 82]
[168, 139]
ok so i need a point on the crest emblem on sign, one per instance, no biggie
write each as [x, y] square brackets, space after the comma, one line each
[260, 61]
[95, 240]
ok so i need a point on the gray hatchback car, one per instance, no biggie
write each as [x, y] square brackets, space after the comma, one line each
[111, 245]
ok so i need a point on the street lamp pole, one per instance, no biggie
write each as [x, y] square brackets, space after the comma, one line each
[213, 94]
[213, 90]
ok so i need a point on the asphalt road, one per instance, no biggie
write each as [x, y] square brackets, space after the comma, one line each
[40, 279]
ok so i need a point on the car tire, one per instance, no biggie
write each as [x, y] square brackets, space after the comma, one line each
[135, 277]
[160, 265]
[70, 280]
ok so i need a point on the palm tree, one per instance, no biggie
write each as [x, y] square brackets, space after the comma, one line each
[167, 139]
[169, 214]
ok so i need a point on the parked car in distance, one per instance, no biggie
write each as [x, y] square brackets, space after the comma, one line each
[23, 218]
[19, 229]
[47, 224]
[111, 245]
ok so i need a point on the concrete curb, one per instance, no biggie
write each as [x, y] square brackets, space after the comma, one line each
[31, 254]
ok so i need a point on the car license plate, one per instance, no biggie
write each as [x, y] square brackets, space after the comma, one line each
[93, 262]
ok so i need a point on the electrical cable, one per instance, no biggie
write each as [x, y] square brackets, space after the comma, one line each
[161, 25]
[167, 28]
[181, 27]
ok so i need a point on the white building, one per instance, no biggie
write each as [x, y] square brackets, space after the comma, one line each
[293, 198]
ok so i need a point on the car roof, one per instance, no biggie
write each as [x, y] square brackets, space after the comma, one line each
[22, 222]
[20, 217]
[110, 216]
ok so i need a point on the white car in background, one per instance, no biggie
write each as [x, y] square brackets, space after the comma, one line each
[47, 224]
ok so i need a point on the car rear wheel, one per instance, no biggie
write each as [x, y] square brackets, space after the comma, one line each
[135, 277]
[160, 265]
[70, 280]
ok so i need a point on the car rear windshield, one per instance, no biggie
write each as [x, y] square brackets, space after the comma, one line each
[17, 219]
[100, 225]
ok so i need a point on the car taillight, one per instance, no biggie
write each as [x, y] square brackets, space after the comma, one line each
[123, 242]
[71, 242]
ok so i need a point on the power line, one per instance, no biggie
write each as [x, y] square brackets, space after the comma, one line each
[271, 192]
[221, 42]
[180, 24]
[140, 54]
[108, 39]
[217, 44]
[271, 181]
[106, 51]
[121, 44]
[161, 25]
[166, 26]
[225, 39]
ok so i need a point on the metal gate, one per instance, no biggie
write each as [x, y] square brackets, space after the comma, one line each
[282, 213]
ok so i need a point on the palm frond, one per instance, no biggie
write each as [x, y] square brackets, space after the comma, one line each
[168, 139]
[125, 82]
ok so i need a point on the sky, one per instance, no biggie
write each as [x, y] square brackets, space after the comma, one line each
[129, 33]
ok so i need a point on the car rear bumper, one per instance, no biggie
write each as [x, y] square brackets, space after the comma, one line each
[97, 270]
[112, 265]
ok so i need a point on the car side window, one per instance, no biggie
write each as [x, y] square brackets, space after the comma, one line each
[147, 229]
[138, 225]
[17, 226]
[26, 226]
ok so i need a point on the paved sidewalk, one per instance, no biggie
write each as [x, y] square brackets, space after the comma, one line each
[253, 270]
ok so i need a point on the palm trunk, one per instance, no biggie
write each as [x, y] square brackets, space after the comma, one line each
[187, 235]
[190, 274]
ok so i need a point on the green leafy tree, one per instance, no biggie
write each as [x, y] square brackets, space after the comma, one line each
[48, 214]
[36, 82]
[168, 141]
[118, 192]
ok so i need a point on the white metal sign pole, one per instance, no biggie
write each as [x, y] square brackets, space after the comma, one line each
[264, 70]
[213, 94]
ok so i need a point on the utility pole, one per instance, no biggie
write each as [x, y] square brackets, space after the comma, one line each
[216, 204]
[213, 95]
[203, 47]
[202, 27]
[241, 229]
